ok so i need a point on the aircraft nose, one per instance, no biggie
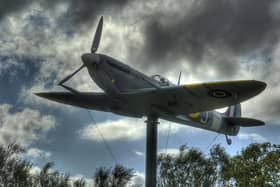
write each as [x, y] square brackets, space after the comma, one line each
[89, 59]
[86, 59]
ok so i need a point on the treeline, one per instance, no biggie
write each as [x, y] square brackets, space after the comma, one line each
[17, 172]
[255, 165]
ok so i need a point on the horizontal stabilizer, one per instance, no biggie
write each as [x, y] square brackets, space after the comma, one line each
[244, 122]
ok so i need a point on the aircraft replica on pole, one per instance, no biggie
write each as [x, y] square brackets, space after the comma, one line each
[129, 92]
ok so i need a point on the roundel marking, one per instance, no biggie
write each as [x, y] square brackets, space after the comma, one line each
[219, 93]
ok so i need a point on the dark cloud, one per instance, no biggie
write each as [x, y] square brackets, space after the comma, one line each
[212, 32]
[79, 13]
[11, 6]
[224, 28]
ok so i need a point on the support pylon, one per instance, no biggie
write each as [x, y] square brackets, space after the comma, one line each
[151, 151]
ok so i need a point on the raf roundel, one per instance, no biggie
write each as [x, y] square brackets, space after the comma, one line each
[219, 93]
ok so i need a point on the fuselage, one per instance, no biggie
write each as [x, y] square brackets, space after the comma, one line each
[118, 80]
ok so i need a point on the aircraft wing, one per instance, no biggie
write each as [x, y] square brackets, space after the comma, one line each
[197, 97]
[95, 101]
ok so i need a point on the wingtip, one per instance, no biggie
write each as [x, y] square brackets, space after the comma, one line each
[259, 122]
[41, 94]
[262, 123]
[260, 85]
[37, 94]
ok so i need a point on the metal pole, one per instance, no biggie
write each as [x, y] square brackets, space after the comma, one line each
[151, 151]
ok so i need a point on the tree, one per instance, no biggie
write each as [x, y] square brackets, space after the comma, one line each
[117, 177]
[101, 177]
[79, 183]
[48, 178]
[121, 176]
[12, 169]
[189, 168]
[221, 160]
[257, 165]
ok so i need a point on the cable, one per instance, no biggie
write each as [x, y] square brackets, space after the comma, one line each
[214, 139]
[167, 139]
[103, 138]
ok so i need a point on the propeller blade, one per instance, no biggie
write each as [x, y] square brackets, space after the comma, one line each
[179, 79]
[97, 36]
[71, 75]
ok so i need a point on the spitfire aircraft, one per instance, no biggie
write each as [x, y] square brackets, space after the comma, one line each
[129, 92]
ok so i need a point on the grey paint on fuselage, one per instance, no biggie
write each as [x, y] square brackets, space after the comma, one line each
[210, 120]
[115, 77]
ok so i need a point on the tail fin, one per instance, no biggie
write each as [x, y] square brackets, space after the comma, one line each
[234, 111]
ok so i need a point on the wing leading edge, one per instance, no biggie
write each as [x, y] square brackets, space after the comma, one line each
[95, 101]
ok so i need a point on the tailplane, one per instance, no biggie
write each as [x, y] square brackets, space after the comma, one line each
[233, 117]
[234, 121]
[244, 122]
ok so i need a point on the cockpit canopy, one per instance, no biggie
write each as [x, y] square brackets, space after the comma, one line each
[161, 80]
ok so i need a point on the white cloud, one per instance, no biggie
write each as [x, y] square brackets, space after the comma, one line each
[251, 136]
[89, 182]
[124, 128]
[137, 180]
[170, 151]
[139, 153]
[23, 127]
[35, 170]
[38, 153]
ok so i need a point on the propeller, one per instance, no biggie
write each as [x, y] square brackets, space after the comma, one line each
[97, 36]
[86, 58]
[179, 79]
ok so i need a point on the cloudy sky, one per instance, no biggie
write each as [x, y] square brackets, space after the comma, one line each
[42, 41]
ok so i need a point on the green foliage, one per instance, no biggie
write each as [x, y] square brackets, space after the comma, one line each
[190, 167]
[48, 178]
[116, 177]
[256, 165]
[12, 169]
[15, 171]
[79, 183]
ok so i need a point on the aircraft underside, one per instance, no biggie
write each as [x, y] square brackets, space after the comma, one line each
[102, 102]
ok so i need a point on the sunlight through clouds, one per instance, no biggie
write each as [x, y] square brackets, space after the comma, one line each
[125, 128]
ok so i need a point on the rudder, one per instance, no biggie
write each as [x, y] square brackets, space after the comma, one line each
[234, 111]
